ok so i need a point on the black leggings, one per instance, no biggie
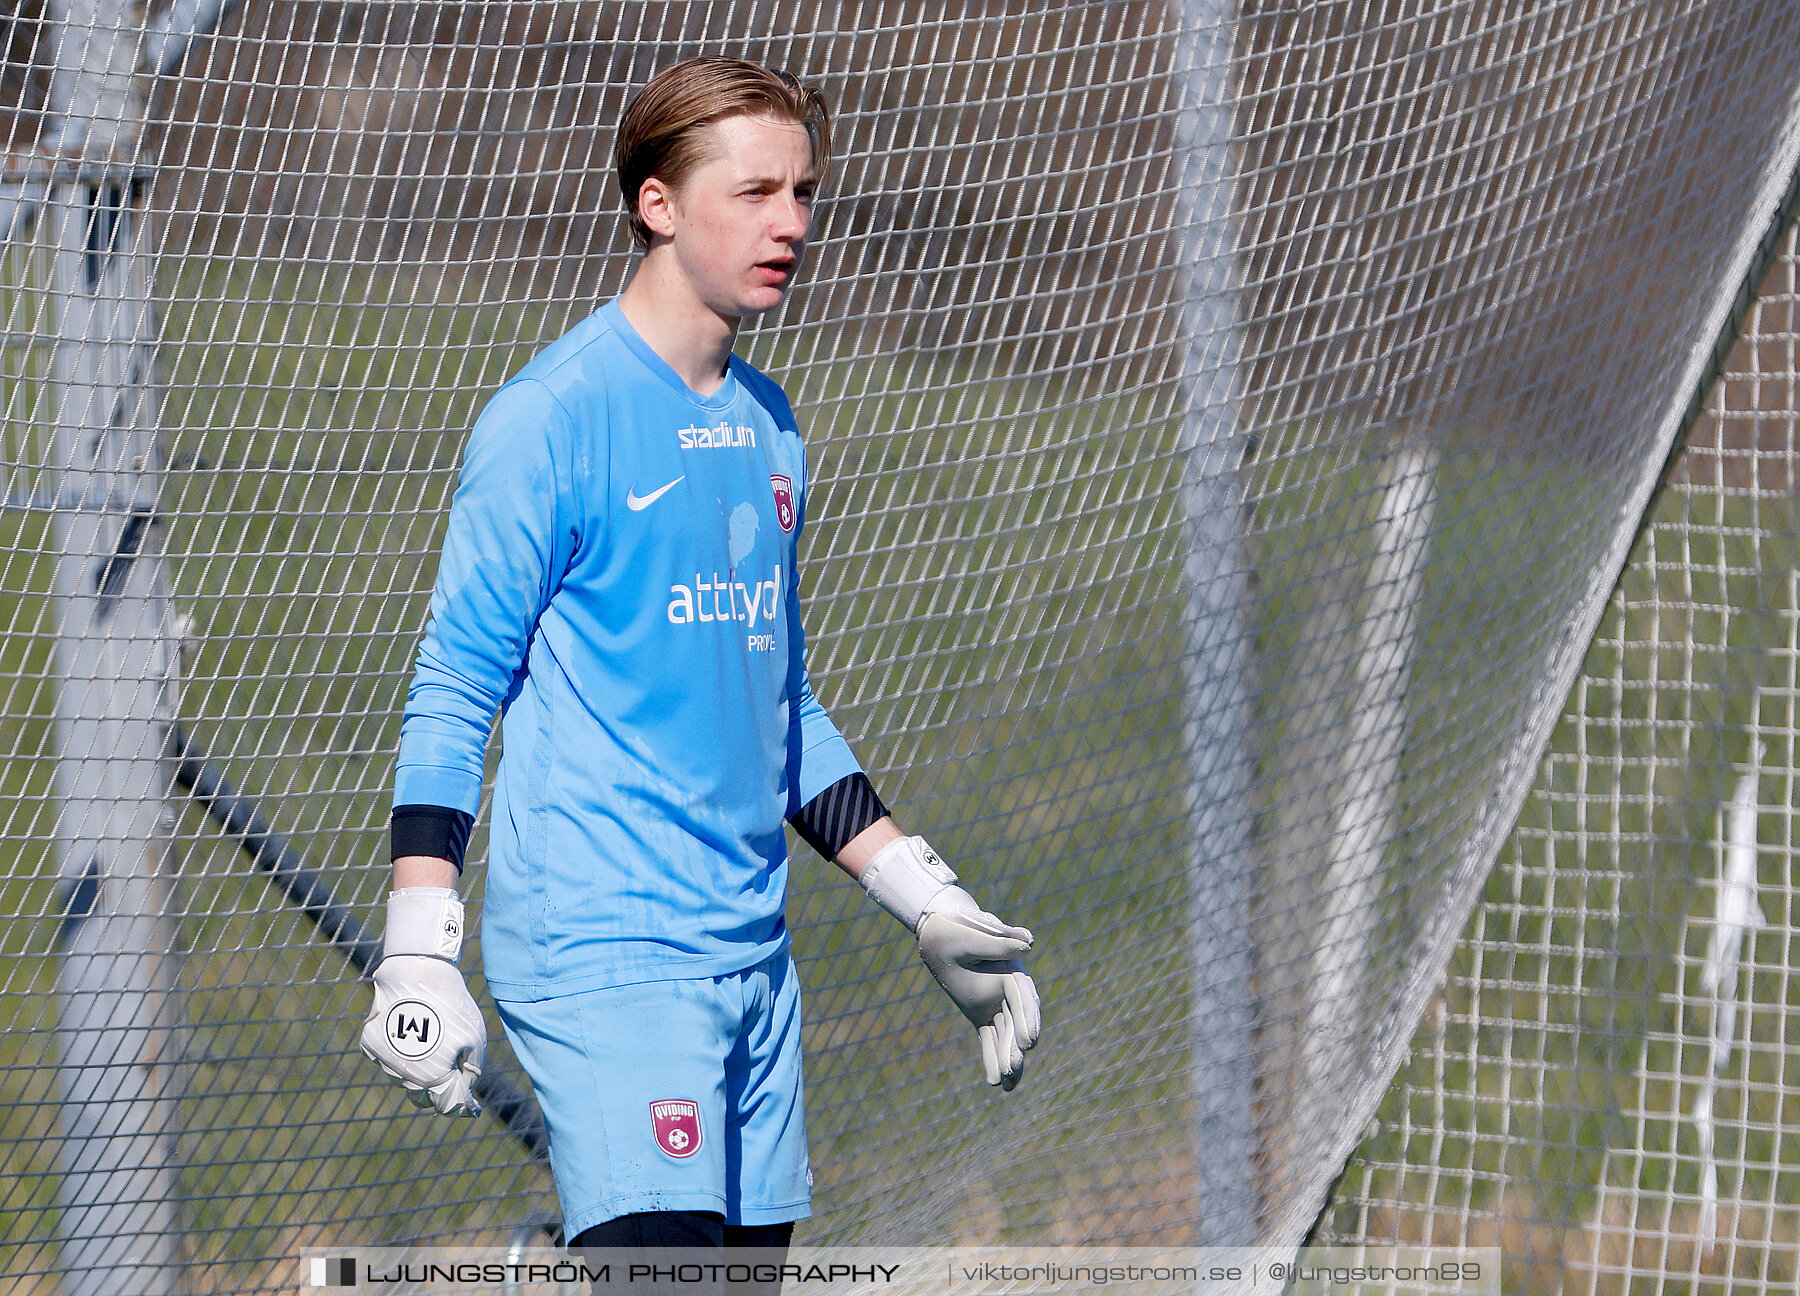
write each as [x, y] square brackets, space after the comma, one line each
[682, 1229]
[658, 1230]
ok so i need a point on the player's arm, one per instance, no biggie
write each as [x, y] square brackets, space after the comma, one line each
[973, 955]
[503, 552]
[425, 871]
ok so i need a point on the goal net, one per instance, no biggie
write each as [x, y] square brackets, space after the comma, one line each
[1604, 1087]
[1227, 421]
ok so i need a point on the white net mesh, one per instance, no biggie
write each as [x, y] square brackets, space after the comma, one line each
[1606, 1086]
[1227, 421]
[1452, 384]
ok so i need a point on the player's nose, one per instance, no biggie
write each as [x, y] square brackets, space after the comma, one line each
[793, 218]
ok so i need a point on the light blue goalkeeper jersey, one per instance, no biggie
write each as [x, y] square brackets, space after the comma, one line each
[618, 578]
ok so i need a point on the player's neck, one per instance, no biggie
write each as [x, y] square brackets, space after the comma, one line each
[693, 339]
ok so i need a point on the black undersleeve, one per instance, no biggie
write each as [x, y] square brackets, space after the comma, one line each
[437, 831]
[831, 820]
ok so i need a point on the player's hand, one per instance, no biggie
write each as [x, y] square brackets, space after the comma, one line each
[424, 1029]
[973, 955]
[975, 958]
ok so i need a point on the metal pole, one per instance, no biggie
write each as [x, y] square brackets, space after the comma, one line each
[1224, 1027]
[117, 982]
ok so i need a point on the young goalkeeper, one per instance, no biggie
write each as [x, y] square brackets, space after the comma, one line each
[619, 581]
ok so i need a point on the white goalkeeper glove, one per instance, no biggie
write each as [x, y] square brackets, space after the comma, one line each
[973, 955]
[425, 1030]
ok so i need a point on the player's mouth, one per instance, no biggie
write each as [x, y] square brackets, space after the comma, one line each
[776, 273]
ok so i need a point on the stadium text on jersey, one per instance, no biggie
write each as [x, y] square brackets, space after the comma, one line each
[723, 437]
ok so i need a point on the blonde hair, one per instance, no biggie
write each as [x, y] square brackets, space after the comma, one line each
[662, 131]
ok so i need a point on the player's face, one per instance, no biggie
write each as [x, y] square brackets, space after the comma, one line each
[739, 222]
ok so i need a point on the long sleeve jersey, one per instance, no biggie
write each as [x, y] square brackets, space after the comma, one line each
[618, 580]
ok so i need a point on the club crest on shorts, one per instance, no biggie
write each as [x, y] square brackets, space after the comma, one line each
[676, 1124]
[784, 500]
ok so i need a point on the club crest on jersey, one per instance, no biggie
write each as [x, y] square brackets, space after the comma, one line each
[784, 500]
[676, 1124]
[412, 1028]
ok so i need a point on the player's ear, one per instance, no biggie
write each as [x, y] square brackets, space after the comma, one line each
[656, 202]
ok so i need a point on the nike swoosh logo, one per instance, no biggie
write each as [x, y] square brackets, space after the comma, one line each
[637, 503]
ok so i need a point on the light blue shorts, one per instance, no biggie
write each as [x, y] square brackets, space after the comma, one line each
[672, 1095]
